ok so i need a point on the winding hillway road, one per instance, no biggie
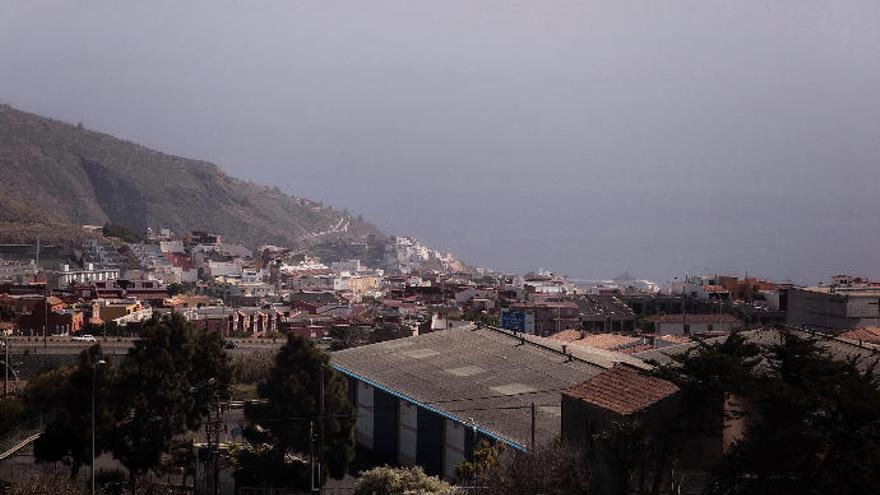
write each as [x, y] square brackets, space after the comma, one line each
[341, 226]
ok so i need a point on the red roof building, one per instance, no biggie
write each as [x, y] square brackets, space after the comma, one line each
[622, 390]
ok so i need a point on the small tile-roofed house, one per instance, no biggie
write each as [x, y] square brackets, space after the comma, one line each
[622, 390]
[610, 398]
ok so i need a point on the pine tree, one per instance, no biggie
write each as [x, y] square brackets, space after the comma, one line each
[68, 434]
[291, 418]
[165, 386]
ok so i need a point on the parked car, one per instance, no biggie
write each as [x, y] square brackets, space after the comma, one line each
[84, 338]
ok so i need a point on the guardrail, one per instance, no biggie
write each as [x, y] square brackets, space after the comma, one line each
[18, 446]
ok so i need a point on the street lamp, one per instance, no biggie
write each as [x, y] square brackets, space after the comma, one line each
[100, 362]
[212, 435]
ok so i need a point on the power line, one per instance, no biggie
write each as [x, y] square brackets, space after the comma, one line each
[519, 394]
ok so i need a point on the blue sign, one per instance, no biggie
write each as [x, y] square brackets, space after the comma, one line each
[513, 320]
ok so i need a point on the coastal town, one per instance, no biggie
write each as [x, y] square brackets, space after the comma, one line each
[107, 286]
[461, 354]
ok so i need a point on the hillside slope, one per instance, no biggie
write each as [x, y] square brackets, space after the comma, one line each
[57, 173]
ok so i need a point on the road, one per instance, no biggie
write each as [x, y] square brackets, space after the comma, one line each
[114, 345]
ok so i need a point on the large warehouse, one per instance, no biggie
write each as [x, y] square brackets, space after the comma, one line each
[428, 399]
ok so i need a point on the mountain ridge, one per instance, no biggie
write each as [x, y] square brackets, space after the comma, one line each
[56, 173]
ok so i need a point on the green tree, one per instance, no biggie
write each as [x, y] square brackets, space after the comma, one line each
[12, 413]
[41, 394]
[166, 384]
[401, 481]
[481, 318]
[485, 463]
[291, 415]
[68, 434]
[812, 419]
[815, 425]
[264, 465]
[120, 232]
[707, 375]
[180, 459]
[347, 337]
[175, 288]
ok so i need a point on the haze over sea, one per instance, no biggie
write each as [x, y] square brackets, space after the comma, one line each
[588, 138]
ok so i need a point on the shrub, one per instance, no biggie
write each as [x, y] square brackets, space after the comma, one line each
[401, 481]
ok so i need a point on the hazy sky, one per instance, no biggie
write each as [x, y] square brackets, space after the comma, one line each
[590, 137]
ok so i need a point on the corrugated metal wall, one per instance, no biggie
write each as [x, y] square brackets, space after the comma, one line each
[408, 433]
[365, 415]
[453, 446]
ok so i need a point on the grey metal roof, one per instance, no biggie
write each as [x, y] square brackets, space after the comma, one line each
[836, 347]
[482, 375]
[594, 307]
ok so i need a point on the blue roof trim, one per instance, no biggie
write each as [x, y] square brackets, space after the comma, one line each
[372, 383]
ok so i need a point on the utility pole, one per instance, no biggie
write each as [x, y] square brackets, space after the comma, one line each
[474, 455]
[532, 445]
[321, 427]
[212, 436]
[684, 328]
[312, 484]
[94, 374]
[6, 367]
[46, 323]
[557, 316]
[212, 432]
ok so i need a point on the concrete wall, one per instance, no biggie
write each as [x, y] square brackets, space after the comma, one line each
[695, 328]
[365, 425]
[408, 433]
[833, 311]
[453, 446]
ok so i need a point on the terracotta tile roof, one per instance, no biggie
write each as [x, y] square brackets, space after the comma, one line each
[714, 288]
[567, 335]
[871, 335]
[623, 390]
[607, 341]
[179, 260]
[676, 339]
